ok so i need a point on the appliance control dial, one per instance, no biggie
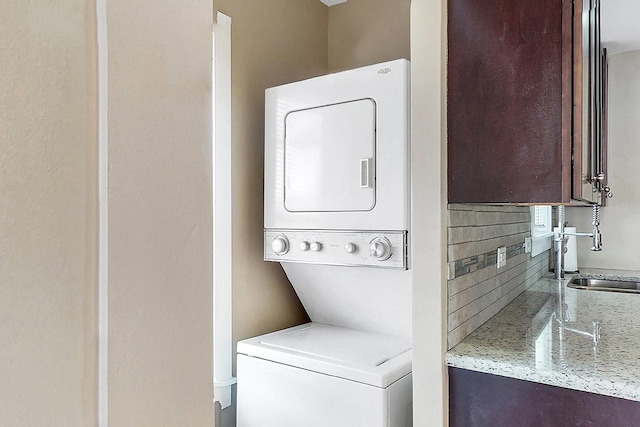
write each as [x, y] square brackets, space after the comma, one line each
[303, 246]
[316, 246]
[380, 248]
[280, 244]
[350, 248]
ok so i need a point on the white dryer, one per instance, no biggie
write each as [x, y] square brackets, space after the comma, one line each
[337, 152]
[337, 200]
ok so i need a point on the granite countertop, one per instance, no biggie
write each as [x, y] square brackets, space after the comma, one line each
[551, 334]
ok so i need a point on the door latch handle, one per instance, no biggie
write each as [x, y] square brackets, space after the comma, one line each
[365, 173]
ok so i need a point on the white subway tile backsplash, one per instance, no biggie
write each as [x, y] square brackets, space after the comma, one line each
[454, 207]
[476, 289]
[461, 234]
[493, 231]
[461, 283]
[461, 218]
[509, 293]
[488, 218]
[466, 250]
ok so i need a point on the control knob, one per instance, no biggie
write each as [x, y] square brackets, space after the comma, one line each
[303, 246]
[350, 248]
[316, 247]
[280, 244]
[380, 248]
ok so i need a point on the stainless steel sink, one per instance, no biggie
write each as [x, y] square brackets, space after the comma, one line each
[603, 284]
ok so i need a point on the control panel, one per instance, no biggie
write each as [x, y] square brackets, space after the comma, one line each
[384, 249]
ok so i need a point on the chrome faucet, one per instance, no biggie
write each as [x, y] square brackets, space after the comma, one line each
[563, 236]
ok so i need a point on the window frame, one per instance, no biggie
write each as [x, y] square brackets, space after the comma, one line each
[541, 236]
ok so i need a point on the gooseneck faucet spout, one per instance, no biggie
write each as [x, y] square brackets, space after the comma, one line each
[562, 237]
[597, 236]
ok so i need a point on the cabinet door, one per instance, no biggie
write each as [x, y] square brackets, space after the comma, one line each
[330, 158]
[588, 105]
[509, 93]
[604, 139]
[479, 400]
[581, 115]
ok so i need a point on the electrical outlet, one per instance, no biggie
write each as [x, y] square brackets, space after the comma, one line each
[527, 245]
[502, 257]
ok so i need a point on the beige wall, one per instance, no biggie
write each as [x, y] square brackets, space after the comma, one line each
[48, 244]
[160, 232]
[273, 43]
[364, 32]
[621, 218]
[429, 226]
[159, 228]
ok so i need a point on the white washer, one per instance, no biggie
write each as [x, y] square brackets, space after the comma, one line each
[336, 216]
[317, 375]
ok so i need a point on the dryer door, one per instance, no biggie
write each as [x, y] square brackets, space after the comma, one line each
[330, 158]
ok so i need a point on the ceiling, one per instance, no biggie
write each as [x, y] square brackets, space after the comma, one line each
[620, 20]
[332, 2]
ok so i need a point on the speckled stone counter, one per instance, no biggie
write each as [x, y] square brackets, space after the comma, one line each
[551, 334]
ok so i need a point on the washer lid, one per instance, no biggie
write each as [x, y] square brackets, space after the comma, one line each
[366, 357]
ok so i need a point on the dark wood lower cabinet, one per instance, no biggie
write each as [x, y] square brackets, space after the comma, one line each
[484, 400]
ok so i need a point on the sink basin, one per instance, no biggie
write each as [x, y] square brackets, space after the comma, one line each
[600, 284]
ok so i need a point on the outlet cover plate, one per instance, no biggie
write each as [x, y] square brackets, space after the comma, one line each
[528, 242]
[502, 257]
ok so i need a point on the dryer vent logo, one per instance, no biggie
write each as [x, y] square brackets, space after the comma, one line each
[384, 70]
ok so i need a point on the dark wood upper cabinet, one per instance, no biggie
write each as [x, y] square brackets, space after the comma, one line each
[524, 101]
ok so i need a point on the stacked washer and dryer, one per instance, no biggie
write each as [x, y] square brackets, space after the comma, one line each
[337, 203]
